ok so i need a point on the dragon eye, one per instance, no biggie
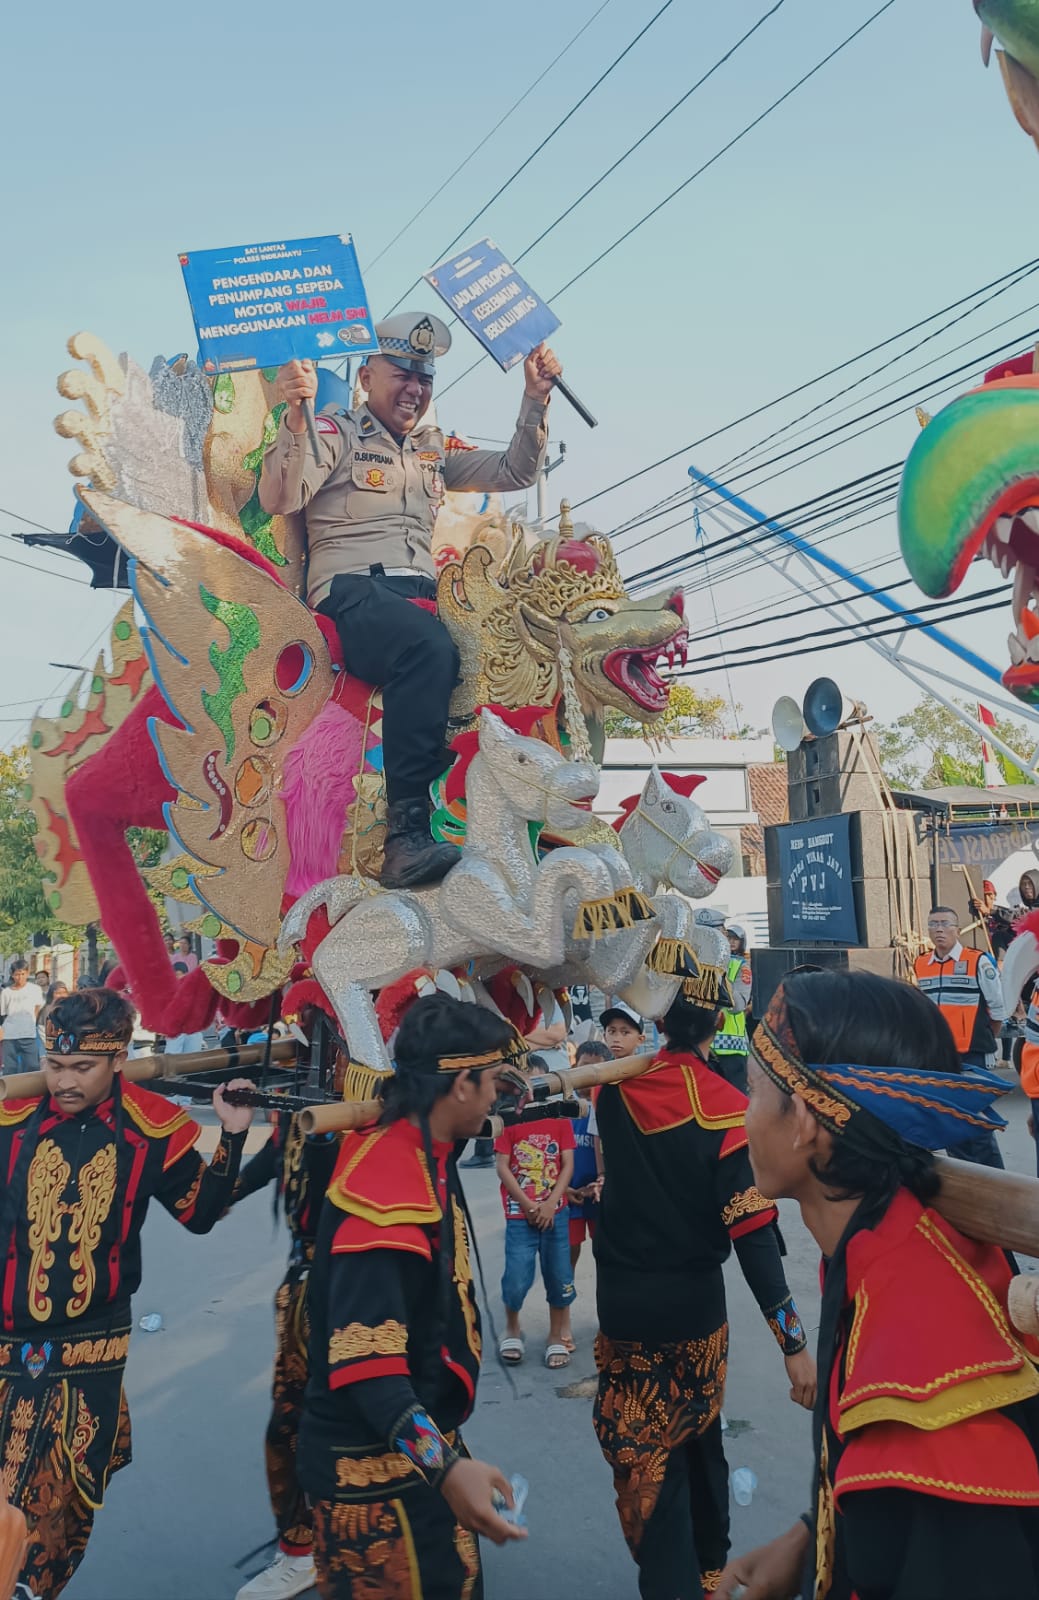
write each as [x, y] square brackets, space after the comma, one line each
[600, 614]
[668, 806]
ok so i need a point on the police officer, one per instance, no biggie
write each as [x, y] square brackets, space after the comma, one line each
[370, 503]
[965, 986]
[731, 1042]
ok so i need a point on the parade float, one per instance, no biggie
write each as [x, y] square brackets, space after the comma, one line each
[223, 717]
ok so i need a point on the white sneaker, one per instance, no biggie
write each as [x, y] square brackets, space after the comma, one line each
[286, 1576]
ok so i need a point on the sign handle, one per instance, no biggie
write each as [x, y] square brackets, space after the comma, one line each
[578, 405]
[308, 417]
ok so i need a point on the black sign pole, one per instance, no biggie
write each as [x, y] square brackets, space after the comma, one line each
[578, 405]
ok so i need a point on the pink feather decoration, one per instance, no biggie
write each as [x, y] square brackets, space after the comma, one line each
[319, 774]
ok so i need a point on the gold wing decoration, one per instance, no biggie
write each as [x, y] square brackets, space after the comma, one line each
[58, 745]
[243, 666]
[174, 441]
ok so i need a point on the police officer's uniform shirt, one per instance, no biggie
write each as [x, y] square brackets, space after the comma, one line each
[371, 499]
[988, 980]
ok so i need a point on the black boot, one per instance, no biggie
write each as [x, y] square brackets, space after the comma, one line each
[412, 856]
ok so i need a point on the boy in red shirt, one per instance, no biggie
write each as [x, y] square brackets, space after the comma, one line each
[535, 1165]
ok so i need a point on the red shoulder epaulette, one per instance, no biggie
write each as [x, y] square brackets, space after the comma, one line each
[679, 1089]
[160, 1119]
[381, 1177]
[356, 1233]
[14, 1111]
[980, 1460]
[931, 1361]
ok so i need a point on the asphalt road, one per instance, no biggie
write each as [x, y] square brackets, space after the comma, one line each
[180, 1521]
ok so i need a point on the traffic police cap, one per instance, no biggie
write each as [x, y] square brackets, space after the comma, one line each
[413, 340]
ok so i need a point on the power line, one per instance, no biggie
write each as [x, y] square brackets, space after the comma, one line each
[601, 79]
[844, 627]
[486, 138]
[735, 140]
[800, 388]
[42, 572]
[840, 393]
[840, 644]
[711, 70]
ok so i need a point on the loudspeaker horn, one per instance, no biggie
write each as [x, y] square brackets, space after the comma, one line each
[788, 725]
[826, 709]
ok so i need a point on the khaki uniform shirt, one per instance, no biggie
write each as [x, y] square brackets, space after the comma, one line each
[371, 499]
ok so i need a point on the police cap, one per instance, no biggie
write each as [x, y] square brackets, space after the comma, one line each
[413, 340]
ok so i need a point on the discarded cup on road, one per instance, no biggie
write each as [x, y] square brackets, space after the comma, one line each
[151, 1322]
[744, 1482]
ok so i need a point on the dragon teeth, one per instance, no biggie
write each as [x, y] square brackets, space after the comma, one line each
[1004, 527]
[1016, 650]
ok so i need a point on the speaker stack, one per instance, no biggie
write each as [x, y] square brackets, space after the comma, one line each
[833, 768]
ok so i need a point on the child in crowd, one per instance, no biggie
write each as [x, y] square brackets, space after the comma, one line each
[535, 1164]
[586, 1183]
[624, 1030]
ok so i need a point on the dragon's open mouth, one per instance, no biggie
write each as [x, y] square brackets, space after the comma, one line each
[1012, 546]
[635, 671]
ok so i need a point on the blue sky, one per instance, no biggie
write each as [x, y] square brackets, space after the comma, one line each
[891, 184]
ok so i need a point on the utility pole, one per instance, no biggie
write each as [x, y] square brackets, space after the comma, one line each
[547, 467]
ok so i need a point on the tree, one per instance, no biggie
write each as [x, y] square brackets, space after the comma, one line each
[929, 748]
[23, 911]
[689, 715]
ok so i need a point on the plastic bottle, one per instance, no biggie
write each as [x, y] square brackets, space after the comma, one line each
[744, 1482]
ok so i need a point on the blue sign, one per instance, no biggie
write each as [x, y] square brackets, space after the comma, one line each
[487, 293]
[259, 305]
[816, 881]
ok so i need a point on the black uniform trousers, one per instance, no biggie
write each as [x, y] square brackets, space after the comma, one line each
[410, 655]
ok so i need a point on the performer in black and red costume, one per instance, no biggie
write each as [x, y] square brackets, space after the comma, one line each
[395, 1332]
[79, 1167]
[299, 1168]
[926, 1480]
[678, 1195]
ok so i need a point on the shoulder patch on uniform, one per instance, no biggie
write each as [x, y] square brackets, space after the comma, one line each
[381, 1177]
[156, 1117]
[326, 425]
[14, 1111]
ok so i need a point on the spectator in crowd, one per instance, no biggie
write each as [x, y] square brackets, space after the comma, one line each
[20, 1006]
[535, 1163]
[623, 1029]
[55, 991]
[582, 1197]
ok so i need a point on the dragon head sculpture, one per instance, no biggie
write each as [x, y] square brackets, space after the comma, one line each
[1015, 24]
[970, 487]
[557, 616]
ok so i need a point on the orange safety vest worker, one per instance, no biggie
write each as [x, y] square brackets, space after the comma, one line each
[1030, 1049]
[953, 986]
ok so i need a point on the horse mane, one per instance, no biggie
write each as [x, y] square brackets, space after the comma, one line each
[681, 782]
[523, 720]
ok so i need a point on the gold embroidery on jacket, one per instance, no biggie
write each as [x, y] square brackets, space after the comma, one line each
[89, 1214]
[745, 1204]
[464, 1279]
[49, 1173]
[386, 1339]
[49, 1176]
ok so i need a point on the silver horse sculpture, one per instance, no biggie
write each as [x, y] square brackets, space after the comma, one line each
[668, 843]
[499, 901]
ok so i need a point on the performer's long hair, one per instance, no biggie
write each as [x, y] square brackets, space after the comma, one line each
[436, 1027]
[687, 1025]
[858, 1016]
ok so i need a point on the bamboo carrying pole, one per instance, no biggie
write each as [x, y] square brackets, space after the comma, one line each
[346, 1115]
[142, 1069]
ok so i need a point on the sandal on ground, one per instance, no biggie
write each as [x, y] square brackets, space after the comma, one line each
[568, 1343]
[557, 1356]
[511, 1351]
